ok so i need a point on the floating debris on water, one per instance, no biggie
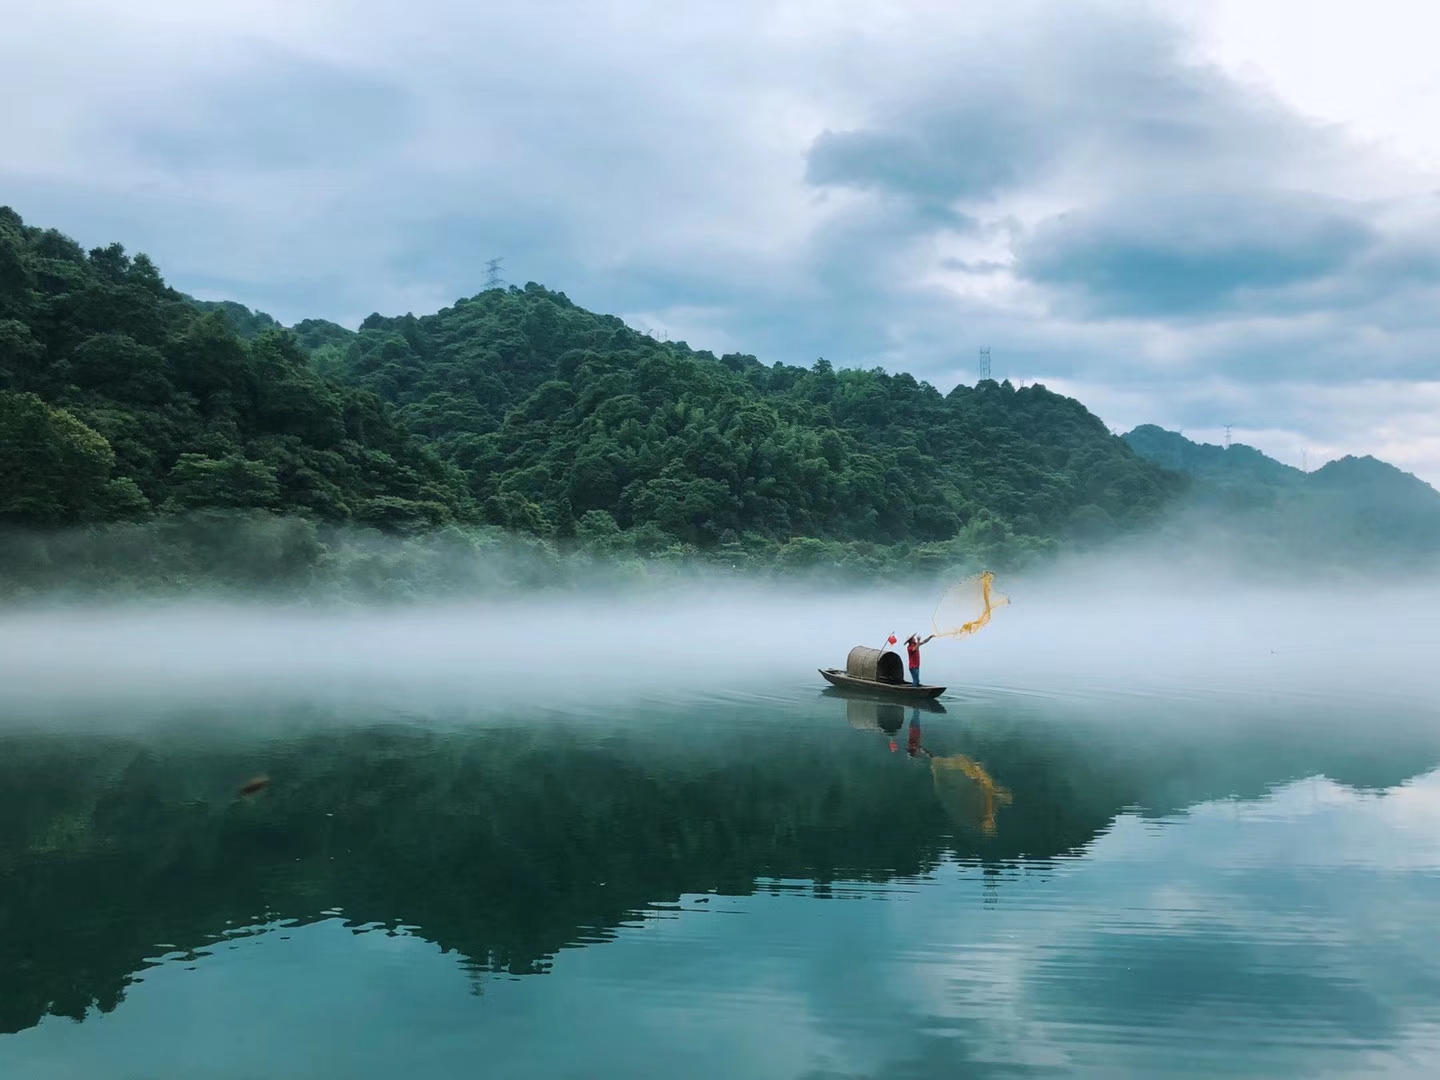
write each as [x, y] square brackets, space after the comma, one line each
[254, 784]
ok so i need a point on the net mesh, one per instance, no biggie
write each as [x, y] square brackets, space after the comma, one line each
[966, 606]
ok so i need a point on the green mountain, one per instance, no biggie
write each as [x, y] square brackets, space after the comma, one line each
[570, 422]
[122, 399]
[1355, 509]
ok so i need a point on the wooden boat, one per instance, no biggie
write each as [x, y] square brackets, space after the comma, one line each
[874, 672]
[887, 689]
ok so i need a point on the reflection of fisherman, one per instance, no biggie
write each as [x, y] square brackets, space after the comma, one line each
[912, 741]
[912, 646]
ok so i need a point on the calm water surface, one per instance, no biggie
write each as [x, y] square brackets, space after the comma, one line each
[783, 885]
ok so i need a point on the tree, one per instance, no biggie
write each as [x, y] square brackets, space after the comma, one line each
[232, 482]
[20, 354]
[53, 469]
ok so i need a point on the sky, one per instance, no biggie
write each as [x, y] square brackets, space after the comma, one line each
[1186, 213]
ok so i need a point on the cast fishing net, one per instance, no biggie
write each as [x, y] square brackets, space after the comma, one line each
[966, 606]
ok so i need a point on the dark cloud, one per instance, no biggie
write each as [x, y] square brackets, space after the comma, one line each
[972, 151]
[1193, 254]
[278, 111]
[1115, 95]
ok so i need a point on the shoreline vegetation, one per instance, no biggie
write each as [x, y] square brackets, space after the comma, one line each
[277, 556]
[153, 442]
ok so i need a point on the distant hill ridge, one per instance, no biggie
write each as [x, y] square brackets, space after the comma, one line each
[1210, 462]
[1353, 507]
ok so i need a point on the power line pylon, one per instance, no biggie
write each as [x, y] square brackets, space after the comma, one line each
[493, 280]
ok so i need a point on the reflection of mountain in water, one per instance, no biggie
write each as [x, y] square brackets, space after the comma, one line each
[508, 843]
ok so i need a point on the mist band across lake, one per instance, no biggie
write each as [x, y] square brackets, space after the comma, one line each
[645, 857]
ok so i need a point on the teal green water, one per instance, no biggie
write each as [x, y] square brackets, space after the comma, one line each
[768, 886]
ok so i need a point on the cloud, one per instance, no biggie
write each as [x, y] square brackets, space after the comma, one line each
[1193, 254]
[277, 110]
[1081, 100]
[973, 154]
[1078, 187]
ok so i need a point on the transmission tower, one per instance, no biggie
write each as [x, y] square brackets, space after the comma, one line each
[493, 280]
[985, 362]
[1227, 435]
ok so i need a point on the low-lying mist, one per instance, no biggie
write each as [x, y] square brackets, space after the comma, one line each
[1131, 622]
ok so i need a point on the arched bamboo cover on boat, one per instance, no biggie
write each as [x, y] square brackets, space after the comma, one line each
[872, 664]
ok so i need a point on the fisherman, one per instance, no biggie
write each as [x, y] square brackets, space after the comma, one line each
[912, 646]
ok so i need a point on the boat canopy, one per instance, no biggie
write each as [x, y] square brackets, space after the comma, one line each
[874, 665]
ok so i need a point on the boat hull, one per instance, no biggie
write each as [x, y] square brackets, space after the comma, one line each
[892, 691]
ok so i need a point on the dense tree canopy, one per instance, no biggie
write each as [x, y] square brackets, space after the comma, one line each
[517, 409]
[571, 423]
[119, 397]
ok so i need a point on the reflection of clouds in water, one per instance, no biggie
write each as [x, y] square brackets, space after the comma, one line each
[1284, 927]
[1394, 830]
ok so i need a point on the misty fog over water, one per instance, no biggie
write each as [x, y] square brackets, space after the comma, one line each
[1110, 628]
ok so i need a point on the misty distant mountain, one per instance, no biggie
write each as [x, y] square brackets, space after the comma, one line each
[1356, 508]
[1239, 464]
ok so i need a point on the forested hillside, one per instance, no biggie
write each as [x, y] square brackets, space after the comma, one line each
[123, 400]
[565, 421]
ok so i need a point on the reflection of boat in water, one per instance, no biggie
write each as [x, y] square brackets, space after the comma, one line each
[867, 715]
[860, 700]
[880, 673]
[964, 787]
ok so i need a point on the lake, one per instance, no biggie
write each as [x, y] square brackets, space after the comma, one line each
[777, 885]
[1165, 878]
